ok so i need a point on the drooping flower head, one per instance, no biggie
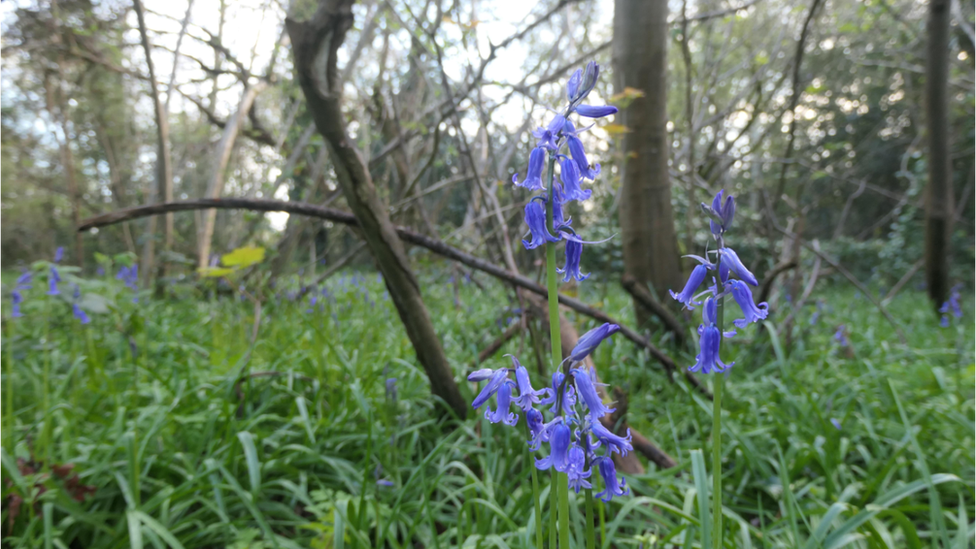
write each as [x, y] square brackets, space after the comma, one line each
[80, 314]
[613, 485]
[535, 218]
[533, 179]
[59, 254]
[52, 281]
[577, 471]
[720, 214]
[503, 400]
[16, 299]
[687, 295]
[527, 395]
[559, 440]
[574, 250]
[752, 312]
[590, 340]
[587, 393]
[498, 377]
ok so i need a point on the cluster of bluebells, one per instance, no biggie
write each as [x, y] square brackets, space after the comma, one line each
[130, 276]
[559, 134]
[575, 433]
[54, 280]
[17, 295]
[721, 214]
[952, 306]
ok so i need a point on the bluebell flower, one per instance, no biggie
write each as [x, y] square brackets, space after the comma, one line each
[951, 305]
[840, 336]
[59, 254]
[687, 295]
[535, 218]
[480, 375]
[591, 111]
[720, 214]
[548, 136]
[752, 312]
[533, 179]
[16, 299]
[587, 393]
[80, 314]
[570, 176]
[497, 379]
[613, 485]
[52, 281]
[391, 390]
[77, 291]
[708, 358]
[568, 396]
[558, 458]
[836, 423]
[558, 220]
[574, 250]
[731, 260]
[577, 471]
[572, 86]
[527, 395]
[537, 428]
[579, 155]
[590, 340]
[581, 83]
[24, 280]
[614, 443]
[503, 401]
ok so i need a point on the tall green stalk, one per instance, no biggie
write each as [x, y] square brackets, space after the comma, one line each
[561, 481]
[717, 432]
[590, 532]
[8, 427]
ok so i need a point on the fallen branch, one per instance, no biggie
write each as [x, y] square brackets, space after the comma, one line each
[641, 294]
[417, 239]
[767, 283]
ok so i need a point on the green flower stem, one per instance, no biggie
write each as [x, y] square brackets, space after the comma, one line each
[534, 473]
[717, 433]
[590, 532]
[553, 504]
[561, 482]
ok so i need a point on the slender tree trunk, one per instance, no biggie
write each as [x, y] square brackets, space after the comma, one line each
[164, 168]
[216, 185]
[640, 39]
[315, 45]
[938, 203]
[55, 107]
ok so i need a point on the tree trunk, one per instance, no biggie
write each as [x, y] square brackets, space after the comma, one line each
[650, 247]
[55, 102]
[164, 168]
[938, 203]
[216, 184]
[315, 44]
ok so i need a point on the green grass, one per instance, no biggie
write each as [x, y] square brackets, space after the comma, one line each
[192, 436]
